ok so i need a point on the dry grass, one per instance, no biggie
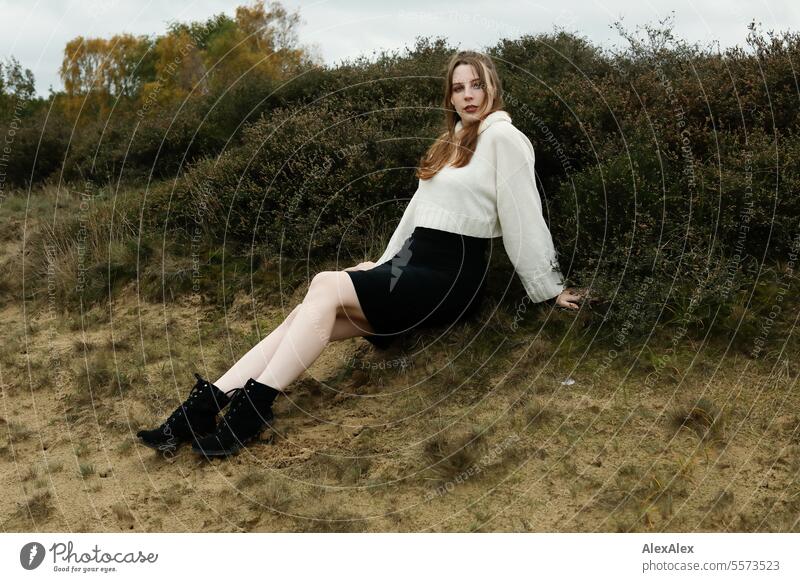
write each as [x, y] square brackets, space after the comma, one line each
[702, 417]
[338, 467]
[86, 470]
[536, 414]
[449, 454]
[272, 497]
[17, 432]
[580, 460]
[330, 517]
[641, 495]
[34, 510]
[123, 514]
[31, 474]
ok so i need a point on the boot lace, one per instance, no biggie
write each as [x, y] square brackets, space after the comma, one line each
[197, 390]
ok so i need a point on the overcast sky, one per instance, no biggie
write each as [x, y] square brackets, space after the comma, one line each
[35, 31]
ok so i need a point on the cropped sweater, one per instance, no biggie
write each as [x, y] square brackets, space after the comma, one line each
[493, 195]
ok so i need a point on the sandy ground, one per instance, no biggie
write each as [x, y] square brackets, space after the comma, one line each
[477, 430]
[356, 447]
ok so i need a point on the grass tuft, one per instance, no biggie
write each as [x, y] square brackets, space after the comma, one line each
[37, 507]
[703, 417]
[451, 454]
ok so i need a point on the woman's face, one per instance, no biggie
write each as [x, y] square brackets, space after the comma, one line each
[467, 95]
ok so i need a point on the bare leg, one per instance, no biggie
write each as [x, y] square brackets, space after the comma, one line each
[330, 296]
[348, 323]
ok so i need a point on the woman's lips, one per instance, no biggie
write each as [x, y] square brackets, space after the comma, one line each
[471, 109]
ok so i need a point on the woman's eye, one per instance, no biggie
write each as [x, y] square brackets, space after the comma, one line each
[474, 86]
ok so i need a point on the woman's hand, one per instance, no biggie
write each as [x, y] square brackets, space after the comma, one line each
[571, 298]
[361, 266]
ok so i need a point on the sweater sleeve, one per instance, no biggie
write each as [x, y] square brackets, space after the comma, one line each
[404, 230]
[526, 238]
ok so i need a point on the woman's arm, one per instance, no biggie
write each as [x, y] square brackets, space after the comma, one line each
[526, 237]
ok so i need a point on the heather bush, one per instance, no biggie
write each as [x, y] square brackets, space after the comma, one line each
[667, 170]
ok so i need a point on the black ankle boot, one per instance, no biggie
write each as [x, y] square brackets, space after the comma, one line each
[194, 418]
[249, 413]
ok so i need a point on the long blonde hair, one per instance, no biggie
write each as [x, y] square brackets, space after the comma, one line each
[441, 152]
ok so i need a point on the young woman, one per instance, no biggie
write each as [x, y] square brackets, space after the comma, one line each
[476, 182]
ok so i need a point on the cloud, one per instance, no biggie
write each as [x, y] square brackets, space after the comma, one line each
[36, 32]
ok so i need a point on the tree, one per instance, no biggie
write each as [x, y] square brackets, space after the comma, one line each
[116, 67]
[263, 42]
[16, 84]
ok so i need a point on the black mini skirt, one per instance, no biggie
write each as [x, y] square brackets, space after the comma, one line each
[436, 279]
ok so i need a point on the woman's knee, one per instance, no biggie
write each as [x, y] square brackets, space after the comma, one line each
[321, 292]
[322, 281]
[326, 287]
[333, 291]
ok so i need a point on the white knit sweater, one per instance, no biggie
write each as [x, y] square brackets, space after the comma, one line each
[494, 195]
